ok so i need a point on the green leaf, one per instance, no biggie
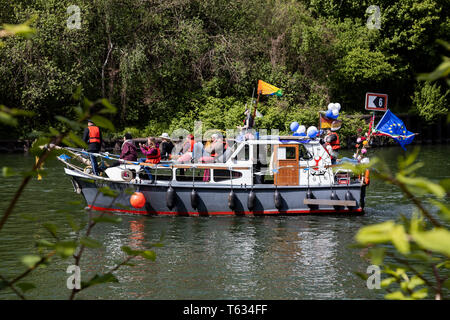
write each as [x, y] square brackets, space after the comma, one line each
[109, 107]
[423, 184]
[70, 123]
[65, 248]
[420, 294]
[23, 30]
[45, 243]
[445, 183]
[103, 122]
[7, 119]
[400, 239]
[148, 254]
[446, 284]
[397, 295]
[445, 264]
[51, 227]
[25, 286]
[378, 233]
[90, 243]
[377, 255]
[75, 227]
[8, 172]
[444, 211]
[363, 276]
[107, 219]
[129, 251]
[437, 240]
[30, 260]
[441, 71]
[387, 282]
[77, 140]
[99, 279]
[414, 282]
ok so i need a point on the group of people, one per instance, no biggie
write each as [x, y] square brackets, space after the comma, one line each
[154, 151]
[157, 149]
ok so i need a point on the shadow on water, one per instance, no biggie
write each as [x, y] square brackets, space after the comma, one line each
[290, 257]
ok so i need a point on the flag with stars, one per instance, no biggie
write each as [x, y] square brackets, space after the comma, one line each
[393, 127]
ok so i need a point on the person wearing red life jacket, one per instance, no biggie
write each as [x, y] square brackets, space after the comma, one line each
[332, 144]
[152, 155]
[93, 137]
[151, 151]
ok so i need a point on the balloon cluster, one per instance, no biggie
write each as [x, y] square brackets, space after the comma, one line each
[333, 110]
[300, 130]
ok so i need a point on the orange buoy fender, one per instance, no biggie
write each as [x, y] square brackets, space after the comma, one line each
[137, 200]
[367, 177]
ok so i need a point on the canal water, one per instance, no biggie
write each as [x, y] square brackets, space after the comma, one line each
[297, 257]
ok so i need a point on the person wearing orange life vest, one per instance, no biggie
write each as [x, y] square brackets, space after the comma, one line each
[93, 137]
[332, 143]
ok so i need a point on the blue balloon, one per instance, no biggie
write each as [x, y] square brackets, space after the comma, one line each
[329, 114]
[312, 134]
[333, 116]
[302, 134]
[294, 126]
[296, 134]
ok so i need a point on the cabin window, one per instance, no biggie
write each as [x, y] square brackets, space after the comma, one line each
[222, 175]
[303, 153]
[286, 153]
[193, 174]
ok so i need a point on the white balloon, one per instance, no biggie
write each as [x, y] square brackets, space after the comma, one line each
[330, 106]
[335, 112]
[301, 129]
[311, 130]
[334, 107]
[338, 106]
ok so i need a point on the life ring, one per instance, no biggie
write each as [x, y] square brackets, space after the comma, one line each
[367, 177]
[126, 175]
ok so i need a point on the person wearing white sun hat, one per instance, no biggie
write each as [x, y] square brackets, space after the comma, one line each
[166, 146]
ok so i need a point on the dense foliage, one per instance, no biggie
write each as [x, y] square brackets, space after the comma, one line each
[166, 63]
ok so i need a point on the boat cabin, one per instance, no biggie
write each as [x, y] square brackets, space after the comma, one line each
[273, 160]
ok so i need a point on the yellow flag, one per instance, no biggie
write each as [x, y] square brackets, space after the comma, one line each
[265, 88]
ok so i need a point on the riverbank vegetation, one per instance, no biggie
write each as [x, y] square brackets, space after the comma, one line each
[165, 64]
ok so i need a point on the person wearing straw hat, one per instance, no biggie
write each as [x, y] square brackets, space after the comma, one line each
[166, 146]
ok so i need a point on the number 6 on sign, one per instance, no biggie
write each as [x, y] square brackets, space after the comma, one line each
[74, 21]
[376, 101]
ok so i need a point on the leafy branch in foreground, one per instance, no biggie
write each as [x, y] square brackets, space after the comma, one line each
[45, 148]
[414, 252]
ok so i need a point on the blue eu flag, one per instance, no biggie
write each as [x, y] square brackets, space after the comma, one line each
[393, 127]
